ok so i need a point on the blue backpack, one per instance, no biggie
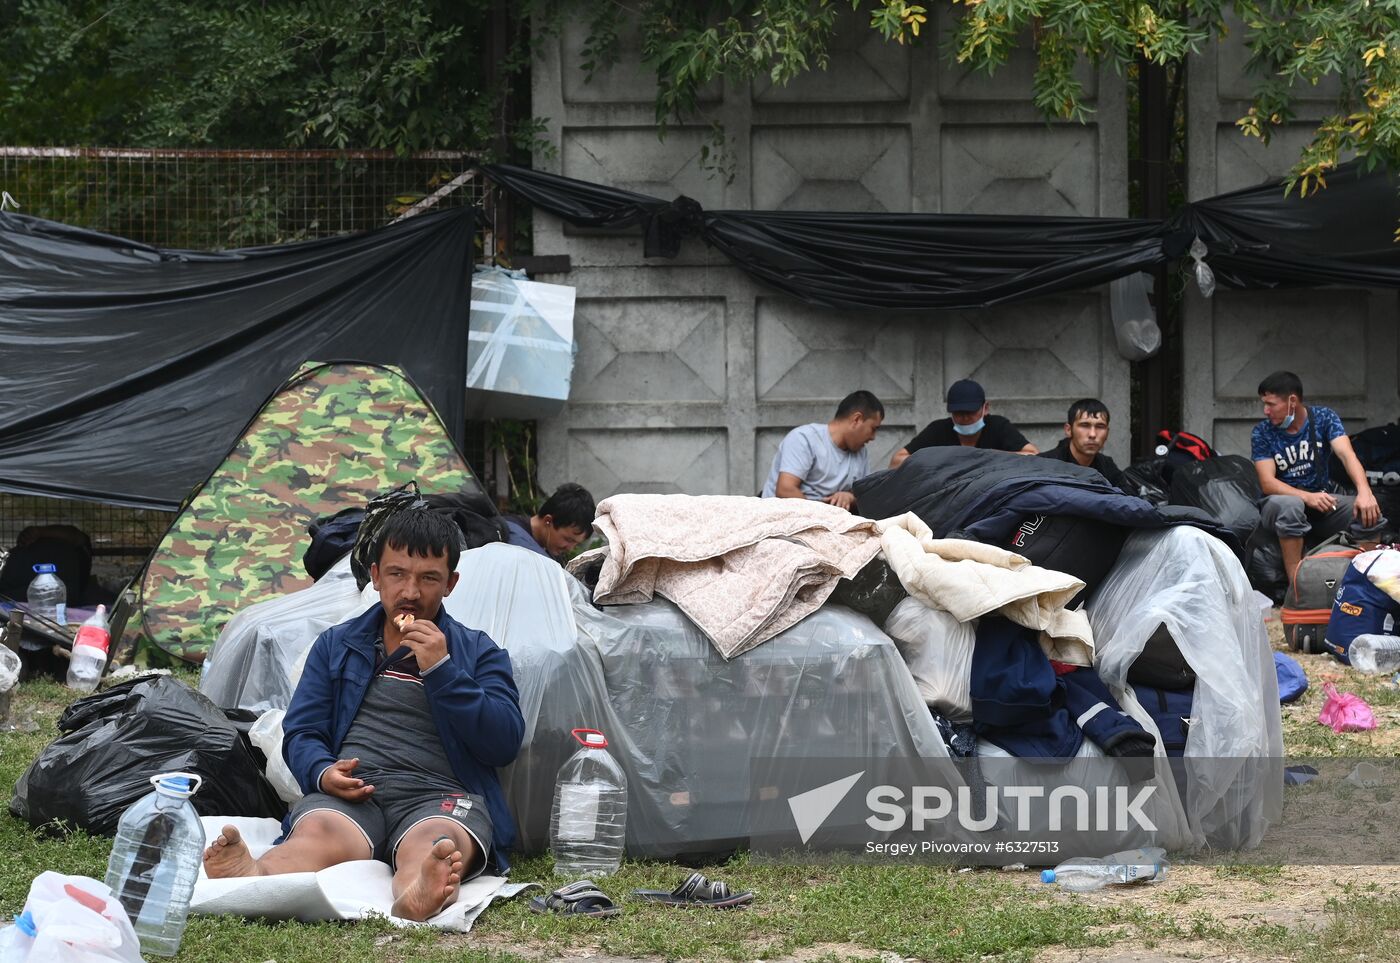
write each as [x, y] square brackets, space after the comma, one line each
[1170, 709]
[1358, 609]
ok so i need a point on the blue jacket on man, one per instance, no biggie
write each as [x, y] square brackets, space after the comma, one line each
[473, 698]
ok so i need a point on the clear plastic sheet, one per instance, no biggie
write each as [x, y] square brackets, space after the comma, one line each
[684, 723]
[250, 665]
[1190, 583]
[938, 650]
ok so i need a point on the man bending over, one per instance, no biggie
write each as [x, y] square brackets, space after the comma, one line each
[1290, 449]
[394, 733]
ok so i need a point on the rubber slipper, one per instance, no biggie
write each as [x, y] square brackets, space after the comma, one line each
[697, 891]
[583, 898]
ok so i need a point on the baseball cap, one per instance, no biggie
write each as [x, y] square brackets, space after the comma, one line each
[966, 395]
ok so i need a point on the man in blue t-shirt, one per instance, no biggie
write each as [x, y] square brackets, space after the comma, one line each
[1290, 448]
[822, 460]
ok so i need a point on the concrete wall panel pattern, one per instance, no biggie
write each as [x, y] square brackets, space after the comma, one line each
[1343, 343]
[689, 374]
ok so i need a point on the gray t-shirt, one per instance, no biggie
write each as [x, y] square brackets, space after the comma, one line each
[809, 453]
[394, 731]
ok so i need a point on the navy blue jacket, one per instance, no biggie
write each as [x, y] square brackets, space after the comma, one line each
[473, 700]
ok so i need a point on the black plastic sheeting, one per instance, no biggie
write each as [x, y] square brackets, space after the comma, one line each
[1257, 238]
[128, 371]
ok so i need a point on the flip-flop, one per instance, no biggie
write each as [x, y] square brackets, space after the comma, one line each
[583, 898]
[697, 891]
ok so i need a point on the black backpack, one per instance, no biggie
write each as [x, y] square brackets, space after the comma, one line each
[1378, 449]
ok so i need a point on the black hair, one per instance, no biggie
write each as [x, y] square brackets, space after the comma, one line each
[862, 401]
[422, 533]
[1283, 384]
[571, 506]
[1086, 406]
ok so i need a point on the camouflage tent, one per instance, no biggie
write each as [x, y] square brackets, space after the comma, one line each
[331, 437]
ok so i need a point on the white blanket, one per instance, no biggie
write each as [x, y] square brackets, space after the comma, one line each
[969, 579]
[349, 891]
[743, 569]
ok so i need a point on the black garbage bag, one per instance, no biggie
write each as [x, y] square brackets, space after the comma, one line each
[1146, 480]
[1226, 487]
[113, 742]
[874, 592]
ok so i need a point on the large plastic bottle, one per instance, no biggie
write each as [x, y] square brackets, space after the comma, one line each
[1130, 866]
[89, 652]
[48, 596]
[155, 861]
[1375, 654]
[588, 824]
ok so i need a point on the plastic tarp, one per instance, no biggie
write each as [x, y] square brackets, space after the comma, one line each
[685, 724]
[141, 365]
[1190, 583]
[1258, 237]
[250, 665]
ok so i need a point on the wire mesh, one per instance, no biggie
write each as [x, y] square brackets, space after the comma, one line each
[216, 200]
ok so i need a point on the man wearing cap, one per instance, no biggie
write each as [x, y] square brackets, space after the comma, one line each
[968, 423]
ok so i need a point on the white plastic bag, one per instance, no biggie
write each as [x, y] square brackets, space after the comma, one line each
[9, 668]
[78, 920]
[938, 650]
[266, 734]
[1134, 322]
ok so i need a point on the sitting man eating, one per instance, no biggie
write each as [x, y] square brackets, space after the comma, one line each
[395, 732]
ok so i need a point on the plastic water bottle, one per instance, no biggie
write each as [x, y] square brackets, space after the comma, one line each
[1375, 654]
[1131, 866]
[89, 652]
[48, 596]
[155, 861]
[588, 824]
[17, 939]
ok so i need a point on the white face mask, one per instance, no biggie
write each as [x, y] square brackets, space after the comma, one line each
[971, 429]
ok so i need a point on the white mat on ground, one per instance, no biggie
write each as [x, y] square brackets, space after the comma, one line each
[349, 891]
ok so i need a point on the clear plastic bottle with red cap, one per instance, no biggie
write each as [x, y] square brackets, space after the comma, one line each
[588, 822]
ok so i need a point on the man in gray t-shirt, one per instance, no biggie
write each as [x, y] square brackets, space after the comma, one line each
[821, 461]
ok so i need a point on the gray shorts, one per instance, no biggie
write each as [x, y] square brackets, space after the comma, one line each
[386, 816]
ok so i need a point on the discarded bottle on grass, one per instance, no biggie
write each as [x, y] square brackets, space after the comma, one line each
[1375, 654]
[48, 596]
[588, 824]
[155, 861]
[89, 652]
[1083, 875]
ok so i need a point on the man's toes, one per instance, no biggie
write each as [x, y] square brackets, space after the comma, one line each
[444, 848]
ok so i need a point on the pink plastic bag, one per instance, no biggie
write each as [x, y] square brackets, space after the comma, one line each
[1345, 712]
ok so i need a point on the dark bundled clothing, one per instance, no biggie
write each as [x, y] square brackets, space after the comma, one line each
[1102, 464]
[332, 537]
[998, 434]
[1022, 705]
[987, 495]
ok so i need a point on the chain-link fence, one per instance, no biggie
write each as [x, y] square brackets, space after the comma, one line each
[216, 200]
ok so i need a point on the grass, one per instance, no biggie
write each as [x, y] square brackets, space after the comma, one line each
[835, 912]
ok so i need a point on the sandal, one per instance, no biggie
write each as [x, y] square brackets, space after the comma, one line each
[583, 898]
[697, 891]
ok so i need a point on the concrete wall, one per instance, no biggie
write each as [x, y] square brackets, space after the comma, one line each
[1341, 341]
[688, 374]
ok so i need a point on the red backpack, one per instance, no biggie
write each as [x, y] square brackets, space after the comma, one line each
[1184, 446]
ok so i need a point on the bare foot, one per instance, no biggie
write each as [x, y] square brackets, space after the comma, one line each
[228, 856]
[435, 884]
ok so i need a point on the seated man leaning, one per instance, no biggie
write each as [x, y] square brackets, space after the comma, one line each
[395, 732]
[970, 424]
[563, 522]
[1086, 432]
[1290, 449]
[821, 461]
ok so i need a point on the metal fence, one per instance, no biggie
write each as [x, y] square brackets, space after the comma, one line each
[216, 200]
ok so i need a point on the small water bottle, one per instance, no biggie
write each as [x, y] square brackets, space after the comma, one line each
[48, 596]
[588, 824]
[155, 861]
[1131, 866]
[1375, 654]
[17, 939]
[89, 652]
